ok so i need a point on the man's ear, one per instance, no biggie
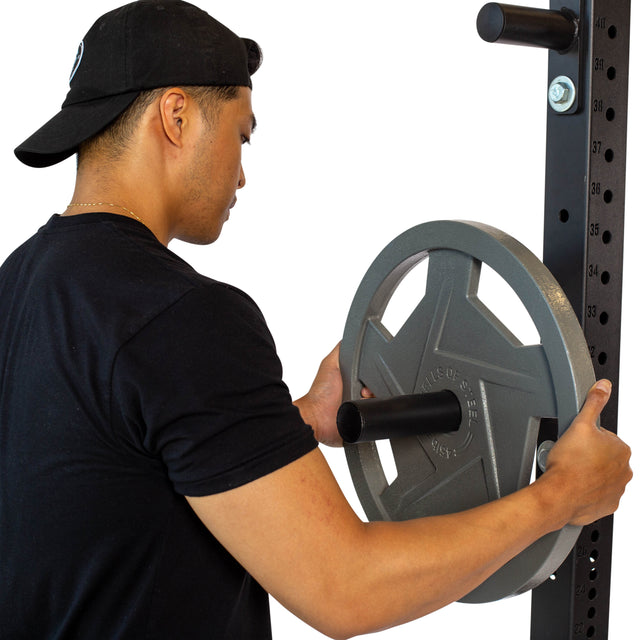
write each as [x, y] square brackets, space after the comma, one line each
[174, 106]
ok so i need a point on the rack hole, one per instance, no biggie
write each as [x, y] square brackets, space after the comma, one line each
[608, 155]
[593, 574]
[606, 237]
[611, 73]
[610, 114]
[608, 196]
[593, 556]
[605, 279]
[604, 318]
[595, 534]
[613, 31]
[563, 215]
[591, 613]
[591, 631]
[602, 358]
[593, 594]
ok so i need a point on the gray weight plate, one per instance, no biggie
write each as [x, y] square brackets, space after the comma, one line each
[453, 341]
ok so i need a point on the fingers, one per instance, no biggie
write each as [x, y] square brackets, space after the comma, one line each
[334, 359]
[596, 400]
[593, 464]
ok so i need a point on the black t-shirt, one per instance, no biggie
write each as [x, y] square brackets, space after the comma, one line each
[128, 381]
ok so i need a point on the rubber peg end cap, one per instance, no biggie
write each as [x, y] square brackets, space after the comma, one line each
[490, 22]
[350, 422]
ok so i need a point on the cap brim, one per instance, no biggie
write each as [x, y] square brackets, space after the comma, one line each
[61, 136]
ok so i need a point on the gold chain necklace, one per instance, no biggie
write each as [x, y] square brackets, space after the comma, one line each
[106, 204]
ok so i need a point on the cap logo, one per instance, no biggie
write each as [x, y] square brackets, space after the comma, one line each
[78, 60]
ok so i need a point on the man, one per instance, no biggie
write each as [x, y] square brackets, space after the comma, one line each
[155, 478]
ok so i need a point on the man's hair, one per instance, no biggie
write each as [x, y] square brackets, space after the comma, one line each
[114, 140]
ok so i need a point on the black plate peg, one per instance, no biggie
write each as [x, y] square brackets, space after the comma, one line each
[511, 24]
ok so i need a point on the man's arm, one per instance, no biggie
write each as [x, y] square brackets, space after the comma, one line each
[295, 532]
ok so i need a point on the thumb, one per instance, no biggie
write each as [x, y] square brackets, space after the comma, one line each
[597, 398]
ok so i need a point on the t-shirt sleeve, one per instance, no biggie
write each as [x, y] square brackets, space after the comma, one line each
[200, 388]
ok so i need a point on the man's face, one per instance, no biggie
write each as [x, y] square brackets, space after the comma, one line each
[215, 173]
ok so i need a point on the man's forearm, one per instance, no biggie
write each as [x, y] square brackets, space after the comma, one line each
[345, 577]
[399, 571]
[409, 569]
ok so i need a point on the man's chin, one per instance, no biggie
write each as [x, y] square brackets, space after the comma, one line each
[203, 237]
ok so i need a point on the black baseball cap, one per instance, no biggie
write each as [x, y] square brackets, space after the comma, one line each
[143, 45]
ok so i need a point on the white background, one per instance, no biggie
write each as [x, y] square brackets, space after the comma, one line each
[373, 116]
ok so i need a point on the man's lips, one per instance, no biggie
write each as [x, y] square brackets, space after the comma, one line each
[233, 204]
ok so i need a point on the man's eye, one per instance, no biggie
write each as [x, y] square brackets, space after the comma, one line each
[246, 140]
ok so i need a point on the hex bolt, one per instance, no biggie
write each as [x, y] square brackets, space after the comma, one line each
[558, 93]
[562, 94]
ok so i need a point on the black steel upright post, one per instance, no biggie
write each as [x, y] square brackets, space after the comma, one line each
[583, 242]
[583, 245]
